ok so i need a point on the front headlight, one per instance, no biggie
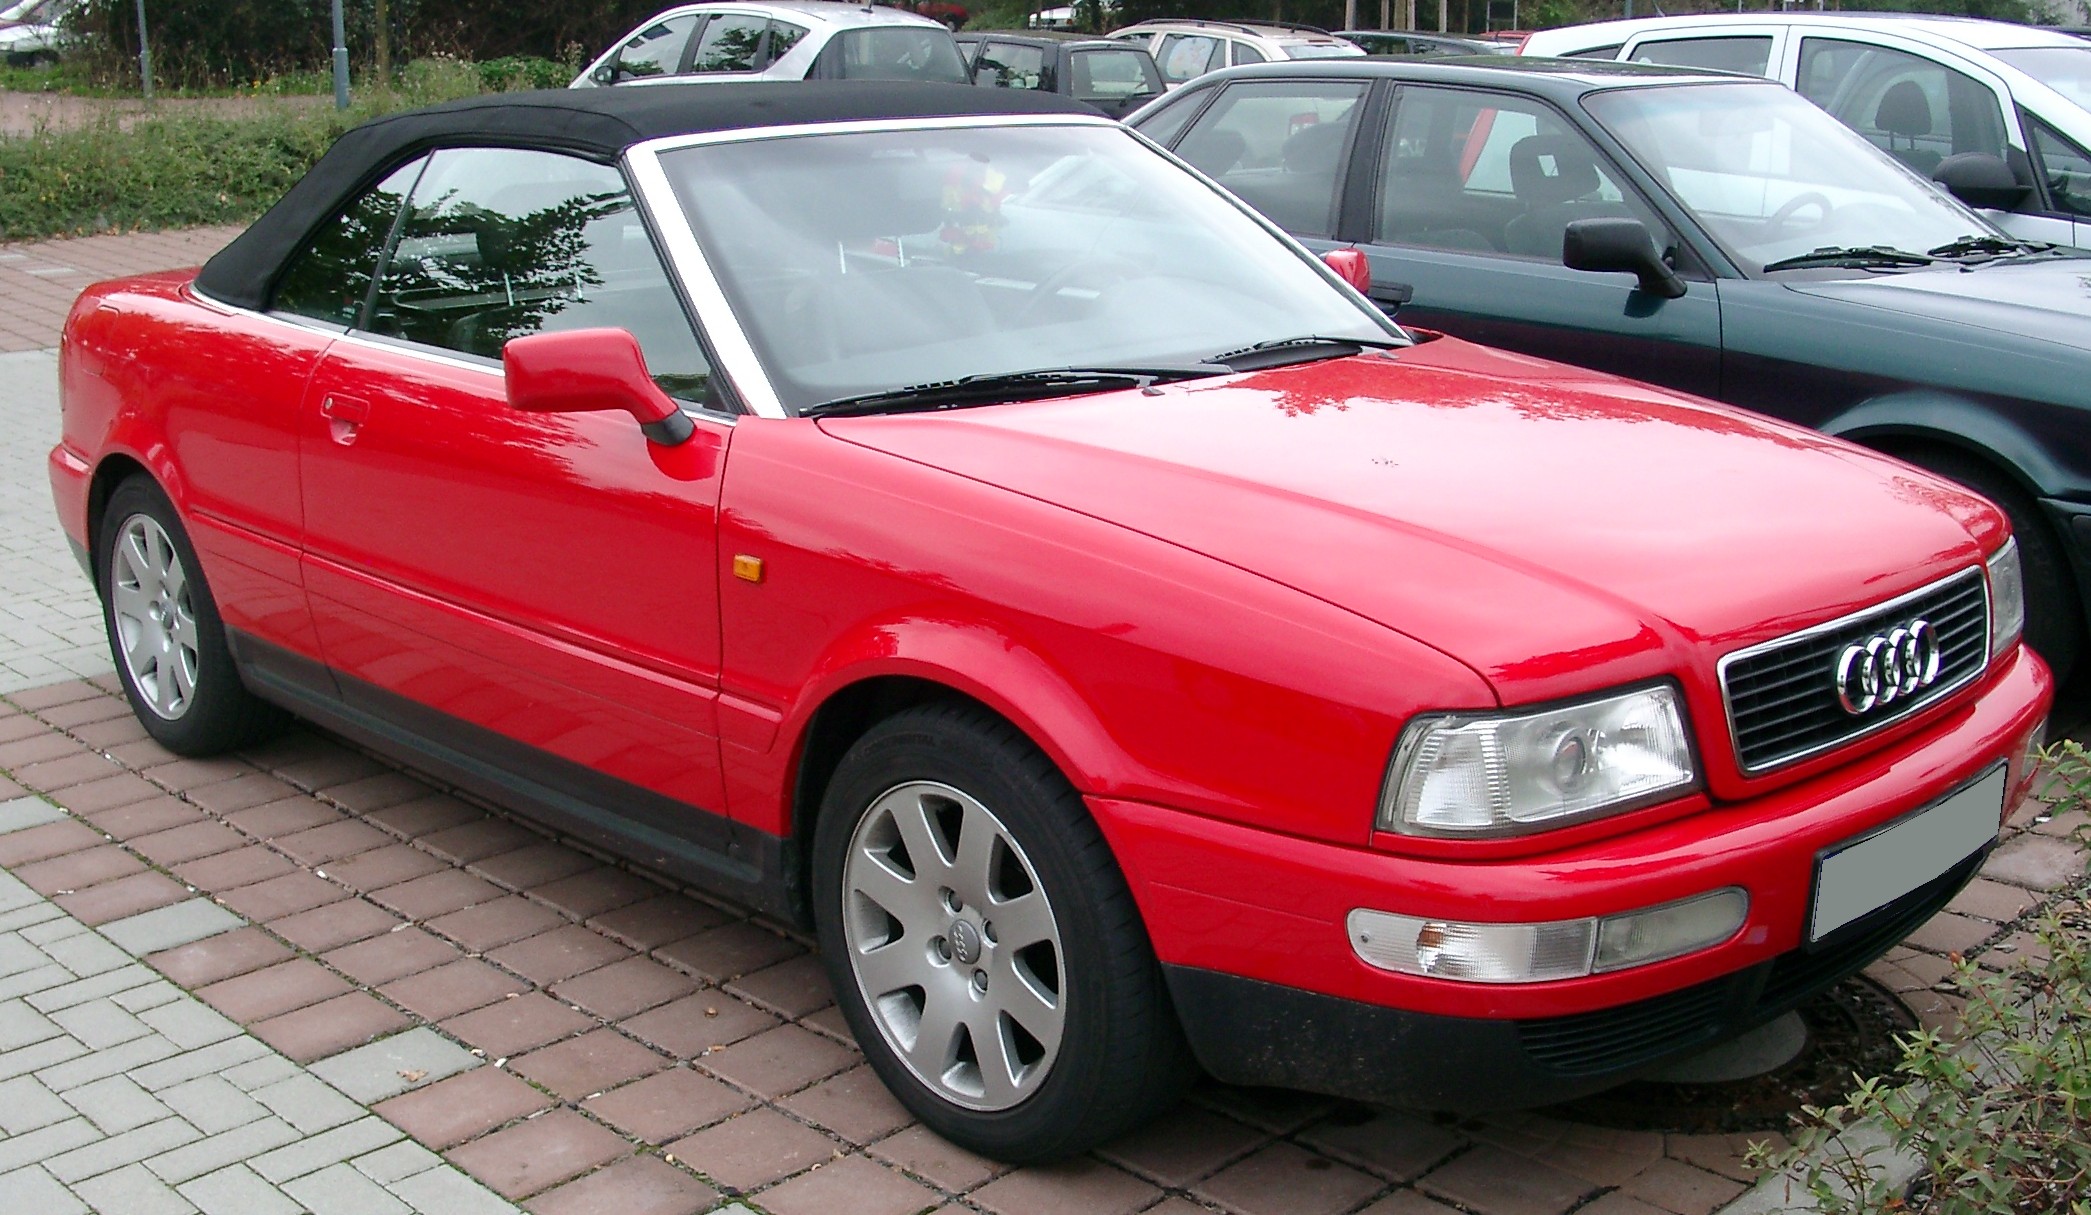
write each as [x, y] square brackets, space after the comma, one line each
[2007, 599]
[1470, 776]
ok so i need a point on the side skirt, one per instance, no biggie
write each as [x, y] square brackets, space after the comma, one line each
[690, 844]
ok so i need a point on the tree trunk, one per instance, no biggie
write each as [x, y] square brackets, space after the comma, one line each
[383, 39]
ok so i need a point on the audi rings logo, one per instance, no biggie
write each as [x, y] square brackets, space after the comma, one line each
[1888, 666]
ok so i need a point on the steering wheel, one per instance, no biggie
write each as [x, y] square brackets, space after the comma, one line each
[1103, 269]
[1783, 217]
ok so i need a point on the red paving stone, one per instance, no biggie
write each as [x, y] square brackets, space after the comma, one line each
[642, 1185]
[329, 1028]
[667, 1105]
[451, 1111]
[241, 951]
[539, 1153]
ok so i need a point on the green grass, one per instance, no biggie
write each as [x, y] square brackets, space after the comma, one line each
[177, 170]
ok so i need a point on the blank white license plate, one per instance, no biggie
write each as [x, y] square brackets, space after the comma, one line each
[1875, 870]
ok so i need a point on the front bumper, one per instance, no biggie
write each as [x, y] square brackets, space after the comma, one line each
[1251, 926]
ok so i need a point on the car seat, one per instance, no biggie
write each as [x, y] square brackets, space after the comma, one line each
[1553, 177]
[1905, 113]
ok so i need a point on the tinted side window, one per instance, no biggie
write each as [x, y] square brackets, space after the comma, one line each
[784, 36]
[498, 243]
[1728, 54]
[1111, 75]
[1244, 53]
[330, 279]
[895, 52]
[1183, 56]
[2066, 167]
[657, 49]
[730, 43]
[1279, 146]
[1915, 110]
[1004, 65]
[1492, 173]
[1169, 121]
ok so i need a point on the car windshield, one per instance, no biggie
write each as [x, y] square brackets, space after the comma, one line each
[1321, 50]
[2065, 69]
[866, 262]
[1772, 177]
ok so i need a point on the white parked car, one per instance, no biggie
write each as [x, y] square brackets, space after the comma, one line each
[1187, 48]
[1948, 96]
[780, 40]
[29, 30]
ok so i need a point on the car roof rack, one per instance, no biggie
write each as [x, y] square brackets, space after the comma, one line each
[1245, 25]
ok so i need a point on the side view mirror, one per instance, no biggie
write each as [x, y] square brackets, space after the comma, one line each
[1350, 266]
[604, 73]
[1980, 180]
[588, 370]
[1619, 244]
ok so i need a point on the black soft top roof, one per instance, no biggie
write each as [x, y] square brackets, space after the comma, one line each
[597, 123]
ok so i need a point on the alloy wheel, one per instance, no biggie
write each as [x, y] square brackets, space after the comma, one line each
[954, 945]
[155, 620]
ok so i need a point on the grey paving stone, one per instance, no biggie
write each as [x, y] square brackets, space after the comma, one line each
[18, 955]
[211, 1104]
[119, 1150]
[380, 1070]
[100, 1024]
[22, 812]
[116, 1104]
[56, 928]
[137, 1053]
[446, 1191]
[228, 1147]
[310, 1104]
[15, 894]
[34, 1190]
[29, 915]
[402, 1159]
[26, 1105]
[166, 927]
[190, 1023]
[262, 1072]
[47, 1053]
[202, 1062]
[20, 1025]
[331, 1147]
[108, 983]
[152, 995]
[28, 982]
[132, 1190]
[341, 1190]
[22, 1150]
[86, 954]
[235, 1190]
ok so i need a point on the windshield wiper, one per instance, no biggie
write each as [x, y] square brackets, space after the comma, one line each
[1995, 246]
[1854, 255]
[1309, 346]
[995, 387]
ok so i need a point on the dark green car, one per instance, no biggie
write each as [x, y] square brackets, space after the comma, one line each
[1711, 233]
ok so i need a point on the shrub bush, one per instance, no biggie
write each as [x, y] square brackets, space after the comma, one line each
[1999, 1118]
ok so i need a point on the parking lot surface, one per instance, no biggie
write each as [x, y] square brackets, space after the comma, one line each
[300, 978]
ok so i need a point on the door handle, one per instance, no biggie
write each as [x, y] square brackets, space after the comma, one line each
[345, 416]
[1391, 296]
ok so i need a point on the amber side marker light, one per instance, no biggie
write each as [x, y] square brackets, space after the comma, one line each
[746, 568]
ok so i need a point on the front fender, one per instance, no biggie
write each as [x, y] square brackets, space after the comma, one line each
[1979, 428]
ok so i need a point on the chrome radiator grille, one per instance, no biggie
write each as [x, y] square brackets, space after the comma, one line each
[1783, 696]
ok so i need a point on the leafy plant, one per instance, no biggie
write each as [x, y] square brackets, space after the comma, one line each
[1997, 1117]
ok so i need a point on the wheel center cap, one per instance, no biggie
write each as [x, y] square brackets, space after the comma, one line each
[965, 942]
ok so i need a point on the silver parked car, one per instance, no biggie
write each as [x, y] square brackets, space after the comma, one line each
[2000, 113]
[779, 40]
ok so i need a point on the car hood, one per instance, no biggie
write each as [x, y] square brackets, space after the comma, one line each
[2045, 300]
[1534, 521]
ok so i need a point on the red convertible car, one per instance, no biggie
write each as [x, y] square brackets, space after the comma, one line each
[937, 518]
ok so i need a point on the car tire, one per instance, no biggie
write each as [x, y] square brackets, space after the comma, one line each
[164, 631]
[2054, 612]
[1025, 1042]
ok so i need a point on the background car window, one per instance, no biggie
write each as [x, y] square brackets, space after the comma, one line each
[2066, 167]
[1102, 75]
[1915, 110]
[330, 280]
[1493, 174]
[657, 49]
[1244, 53]
[731, 42]
[1186, 55]
[1004, 65]
[899, 52]
[1279, 146]
[1737, 54]
[2065, 69]
[1169, 119]
[1595, 52]
[498, 243]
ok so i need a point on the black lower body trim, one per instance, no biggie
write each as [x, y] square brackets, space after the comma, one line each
[686, 842]
[1245, 1031]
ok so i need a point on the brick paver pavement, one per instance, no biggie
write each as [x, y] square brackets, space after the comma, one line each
[38, 280]
[580, 1037]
